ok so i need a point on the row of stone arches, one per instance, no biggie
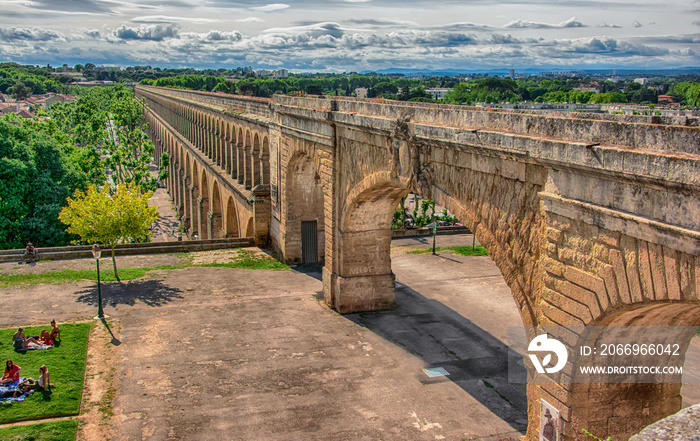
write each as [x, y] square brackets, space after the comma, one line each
[242, 151]
[206, 209]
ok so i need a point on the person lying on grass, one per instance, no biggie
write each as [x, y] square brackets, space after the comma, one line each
[20, 341]
[21, 389]
[49, 338]
[11, 373]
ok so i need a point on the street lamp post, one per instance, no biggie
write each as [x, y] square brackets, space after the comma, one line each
[96, 252]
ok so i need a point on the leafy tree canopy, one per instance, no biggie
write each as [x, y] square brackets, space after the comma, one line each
[100, 216]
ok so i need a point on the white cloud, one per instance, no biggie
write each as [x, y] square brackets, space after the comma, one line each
[145, 32]
[340, 35]
[523, 24]
[171, 19]
[270, 7]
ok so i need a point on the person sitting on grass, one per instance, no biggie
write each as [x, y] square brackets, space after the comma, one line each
[49, 338]
[20, 341]
[43, 381]
[11, 374]
[30, 253]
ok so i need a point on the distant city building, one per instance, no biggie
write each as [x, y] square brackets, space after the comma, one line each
[361, 92]
[666, 99]
[282, 73]
[564, 73]
[108, 68]
[511, 73]
[641, 81]
[438, 92]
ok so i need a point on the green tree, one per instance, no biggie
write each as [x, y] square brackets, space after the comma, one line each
[20, 91]
[110, 219]
[38, 171]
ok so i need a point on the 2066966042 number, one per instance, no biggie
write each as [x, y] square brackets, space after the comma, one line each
[639, 349]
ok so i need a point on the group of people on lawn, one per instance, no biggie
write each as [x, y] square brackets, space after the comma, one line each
[11, 375]
[20, 341]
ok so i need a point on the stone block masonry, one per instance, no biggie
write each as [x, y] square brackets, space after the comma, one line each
[591, 220]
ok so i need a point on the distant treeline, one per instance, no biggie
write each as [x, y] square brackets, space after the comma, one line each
[481, 90]
[36, 80]
[335, 85]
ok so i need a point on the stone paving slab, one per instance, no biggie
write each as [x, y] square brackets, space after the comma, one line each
[214, 353]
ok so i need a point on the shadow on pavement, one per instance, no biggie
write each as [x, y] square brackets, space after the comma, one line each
[475, 360]
[149, 292]
[314, 270]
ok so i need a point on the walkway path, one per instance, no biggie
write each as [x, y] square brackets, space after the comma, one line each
[215, 353]
[166, 227]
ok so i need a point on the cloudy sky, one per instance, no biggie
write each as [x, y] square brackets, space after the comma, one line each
[354, 35]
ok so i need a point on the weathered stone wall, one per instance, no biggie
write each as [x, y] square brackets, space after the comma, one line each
[592, 219]
[212, 200]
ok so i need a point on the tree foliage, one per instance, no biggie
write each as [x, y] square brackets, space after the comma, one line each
[109, 120]
[689, 92]
[43, 161]
[98, 216]
[38, 171]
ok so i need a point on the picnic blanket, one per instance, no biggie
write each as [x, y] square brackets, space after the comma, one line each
[11, 386]
[32, 346]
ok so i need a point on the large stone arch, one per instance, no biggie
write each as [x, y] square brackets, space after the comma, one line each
[181, 182]
[240, 154]
[250, 229]
[636, 405]
[220, 136]
[255, 160]
[598, 271]
[304, 202]
[231, 218]
[233, 152]
[216, 220]
[265, 161]
[194, 203]
[364, 235]
[205, 231]
[186, 192]
[498, 199]
[226, 155]
[247, 169]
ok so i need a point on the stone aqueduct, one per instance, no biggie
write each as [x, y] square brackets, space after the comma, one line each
[591, 219]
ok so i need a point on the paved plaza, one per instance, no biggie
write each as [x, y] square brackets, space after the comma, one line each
[216, 353]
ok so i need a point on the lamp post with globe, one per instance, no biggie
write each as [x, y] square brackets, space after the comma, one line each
[96, 252]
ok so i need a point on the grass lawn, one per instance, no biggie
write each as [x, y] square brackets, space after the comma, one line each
[245, 259]
[54, 431]
[66, 363]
